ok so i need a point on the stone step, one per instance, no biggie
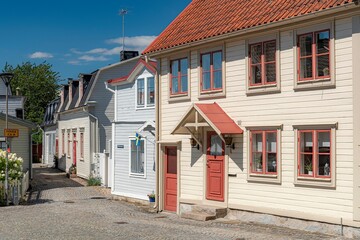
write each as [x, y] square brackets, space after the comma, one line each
[210, 210]
[198, 216]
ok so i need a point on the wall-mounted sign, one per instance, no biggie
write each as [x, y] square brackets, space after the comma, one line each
[11, 132]
[120, 146]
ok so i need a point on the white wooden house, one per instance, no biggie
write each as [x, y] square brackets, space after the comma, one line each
[134, 129]
[258, 108]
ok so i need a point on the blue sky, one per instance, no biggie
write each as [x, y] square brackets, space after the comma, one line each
[79, 36]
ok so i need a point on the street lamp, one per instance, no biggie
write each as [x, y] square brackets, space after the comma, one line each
[6, 77]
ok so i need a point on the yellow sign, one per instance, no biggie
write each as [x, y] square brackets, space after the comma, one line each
[11, 132]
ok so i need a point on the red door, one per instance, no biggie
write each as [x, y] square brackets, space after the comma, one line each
[215, 168]
[170, 185]
[74, 149]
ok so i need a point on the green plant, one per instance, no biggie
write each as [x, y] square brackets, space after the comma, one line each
[72, 169]
[151, 195]
[308, 167]
[94, 181]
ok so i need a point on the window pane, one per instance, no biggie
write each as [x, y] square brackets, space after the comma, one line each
[322, 65]
[172, 161]
[174, 68]
[206, 81]
[306, 142]
[137, 157]
[218, 79]
[324, 142]
[271, 149]
[217, 60]
[257, 142]
[306, 68]
[269, 51]
[324, 165]
[175, 85]
[257, 162]
[3, 146]
[270, 73]
[183, 66]
[256, 74]
[305, 44]
[255, 53]
[271, 142]
[271, 162]
[150, 91]
[216, 146]
[205, 62]
[184, 84]
[306, 166]
[322, 42]
[140, 92]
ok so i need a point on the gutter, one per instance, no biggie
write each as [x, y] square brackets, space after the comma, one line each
[263, 27]
[157, 127]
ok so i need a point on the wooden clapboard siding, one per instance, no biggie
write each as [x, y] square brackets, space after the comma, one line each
[289, 107]
[77, 120]
[124, 183]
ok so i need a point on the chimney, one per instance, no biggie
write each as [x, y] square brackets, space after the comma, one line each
[18, 93]
[81, 89]
[125, 55]
[70, 91]
[63, 94]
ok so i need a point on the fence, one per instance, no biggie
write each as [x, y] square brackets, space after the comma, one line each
[17, 190]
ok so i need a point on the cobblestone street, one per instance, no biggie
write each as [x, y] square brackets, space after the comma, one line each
[62, 208]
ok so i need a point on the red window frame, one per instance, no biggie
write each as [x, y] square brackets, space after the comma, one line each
[179, 76]
[315, 153]
[264, 152]
[68, 138]
[262, 65]
[63, 143]
[313, 56]
[81, 145]
[211, 71]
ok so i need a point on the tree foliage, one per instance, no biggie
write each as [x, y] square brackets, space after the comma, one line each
[38, 83]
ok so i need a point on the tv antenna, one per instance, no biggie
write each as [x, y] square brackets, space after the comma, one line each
[122, 13]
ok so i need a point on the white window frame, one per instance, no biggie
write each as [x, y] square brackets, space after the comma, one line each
[317, 182]
[138, 175]
[146, 105]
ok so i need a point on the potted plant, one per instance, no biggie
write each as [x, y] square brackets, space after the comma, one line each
[258, 165]
[72, 171]
[151, 197]
[309, 169]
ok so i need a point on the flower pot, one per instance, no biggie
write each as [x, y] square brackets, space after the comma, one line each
[310, 173]
[151, 199]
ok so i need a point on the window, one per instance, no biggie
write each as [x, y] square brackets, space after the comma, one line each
[3, 145]
[81, 145]
[145, 92]
[137, 157]
[263, 153]
[314, 55]
[262, 62]
[211, 71]
[63, 142]
[314, 149]
[179, 76]
[68, 145]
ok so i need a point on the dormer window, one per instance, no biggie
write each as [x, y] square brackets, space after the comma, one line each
[145, 92]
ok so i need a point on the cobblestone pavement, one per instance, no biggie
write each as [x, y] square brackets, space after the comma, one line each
[62, 208]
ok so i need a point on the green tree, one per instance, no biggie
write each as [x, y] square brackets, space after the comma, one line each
[38, 83]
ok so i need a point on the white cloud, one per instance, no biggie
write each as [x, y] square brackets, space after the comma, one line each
[138, 42]
[40, 55]
[74, 62]
[89, 58]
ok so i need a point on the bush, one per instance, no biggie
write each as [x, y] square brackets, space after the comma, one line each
[14, 167]
[94, 181]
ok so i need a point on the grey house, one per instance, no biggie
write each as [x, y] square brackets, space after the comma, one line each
[134, 129]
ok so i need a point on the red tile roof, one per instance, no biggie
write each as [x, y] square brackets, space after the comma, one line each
[219, 118]
[203, 19]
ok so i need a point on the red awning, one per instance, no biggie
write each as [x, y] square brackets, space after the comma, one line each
[207, 115]
[219, 118]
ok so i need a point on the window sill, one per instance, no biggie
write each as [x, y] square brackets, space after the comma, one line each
[315, 182]
[314, 84]
[134, 175]
[263, 178]
[212, 94]
[144, 108]
[179, 98]
[263, 89]
[81, 159]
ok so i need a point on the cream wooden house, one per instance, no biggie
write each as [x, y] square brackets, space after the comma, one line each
[258, 110]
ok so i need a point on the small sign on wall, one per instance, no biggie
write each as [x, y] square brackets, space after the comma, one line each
[120, 146]
[11, 132]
